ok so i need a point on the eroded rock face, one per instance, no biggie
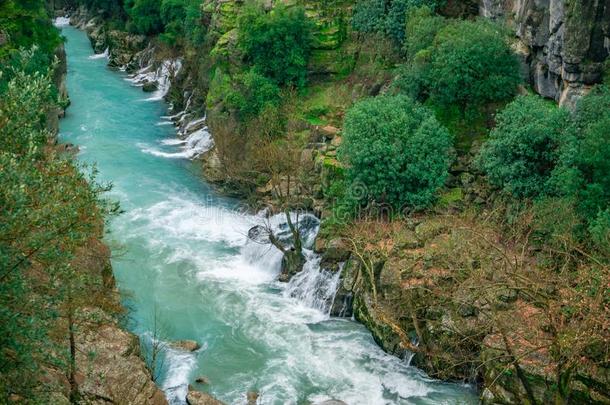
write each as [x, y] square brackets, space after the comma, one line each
[562, 44]
[112, 370]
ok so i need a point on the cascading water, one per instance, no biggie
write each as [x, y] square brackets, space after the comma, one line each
[184, 261]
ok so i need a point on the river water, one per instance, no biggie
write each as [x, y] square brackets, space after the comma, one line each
[186, 270]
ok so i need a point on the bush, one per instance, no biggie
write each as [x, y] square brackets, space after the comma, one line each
[251, 94]
[471, 64]
[278, 43]
[396, 150]
[584, 165]
[145, 16]
[523, 148]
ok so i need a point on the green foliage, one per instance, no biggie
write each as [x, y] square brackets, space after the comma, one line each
[471, 64]
[24, 24]
[396, 151]
[277, 43]
[584, 164]
[523, 148]
[48, 210]
[386, 17]
[422, 25]
[145, 16]
[251, 94]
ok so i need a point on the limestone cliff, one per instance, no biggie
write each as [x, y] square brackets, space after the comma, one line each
[563, 44]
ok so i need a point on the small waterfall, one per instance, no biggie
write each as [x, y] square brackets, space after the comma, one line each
[61, 21]
[314, 287]
[161, 76]
[103, 55]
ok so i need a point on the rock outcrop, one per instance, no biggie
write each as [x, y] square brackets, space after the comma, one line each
[563, 44]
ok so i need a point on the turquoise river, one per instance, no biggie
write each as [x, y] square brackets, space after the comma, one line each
[186, 269]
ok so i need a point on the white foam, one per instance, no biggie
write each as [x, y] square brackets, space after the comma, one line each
[194, 145]
[61, 21]
[179, 365]
[103, 55]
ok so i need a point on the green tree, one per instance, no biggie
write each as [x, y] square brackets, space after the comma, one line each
[277, 43]
[471, 64]
[24, 24]
[396, 149]
[422, 25]
[252, 93]
[386, 17]
[523, 148]
[584, 164]
[48, 210]
[145, 16]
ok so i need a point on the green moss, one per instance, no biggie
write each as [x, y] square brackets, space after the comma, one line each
[451, 197]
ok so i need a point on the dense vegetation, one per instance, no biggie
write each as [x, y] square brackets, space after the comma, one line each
[49, 213]
[397, 151]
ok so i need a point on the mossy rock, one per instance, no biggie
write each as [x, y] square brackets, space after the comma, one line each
[429, 229]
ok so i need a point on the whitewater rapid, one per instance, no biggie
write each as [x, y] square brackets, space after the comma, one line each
[183, 261]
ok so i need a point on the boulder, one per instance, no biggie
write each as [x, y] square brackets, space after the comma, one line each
[336, 251]
[150, 87]
[252, 397]
[186, 345]
[201, 398]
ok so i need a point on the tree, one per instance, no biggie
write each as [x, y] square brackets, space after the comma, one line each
[386, 17]
[145, 16]
[277, 43]
[584, 163]
[396, 150]
[523, 148]
[251, 94]
[471, 64]
[48, 211]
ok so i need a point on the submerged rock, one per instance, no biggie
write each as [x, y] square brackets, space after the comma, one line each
[202, 380]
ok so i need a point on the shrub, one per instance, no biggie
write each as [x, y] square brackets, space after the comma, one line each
[251, 94]
[396, 149]
[584, 164]
[145, 16]
[278, 43]
[471, 64]
[523, 148]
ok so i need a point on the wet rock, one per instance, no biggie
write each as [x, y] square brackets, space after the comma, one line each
[186, 345]
[150, 87]
[252, 397]
[336, 251]
[201, 398]
[202, 380]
